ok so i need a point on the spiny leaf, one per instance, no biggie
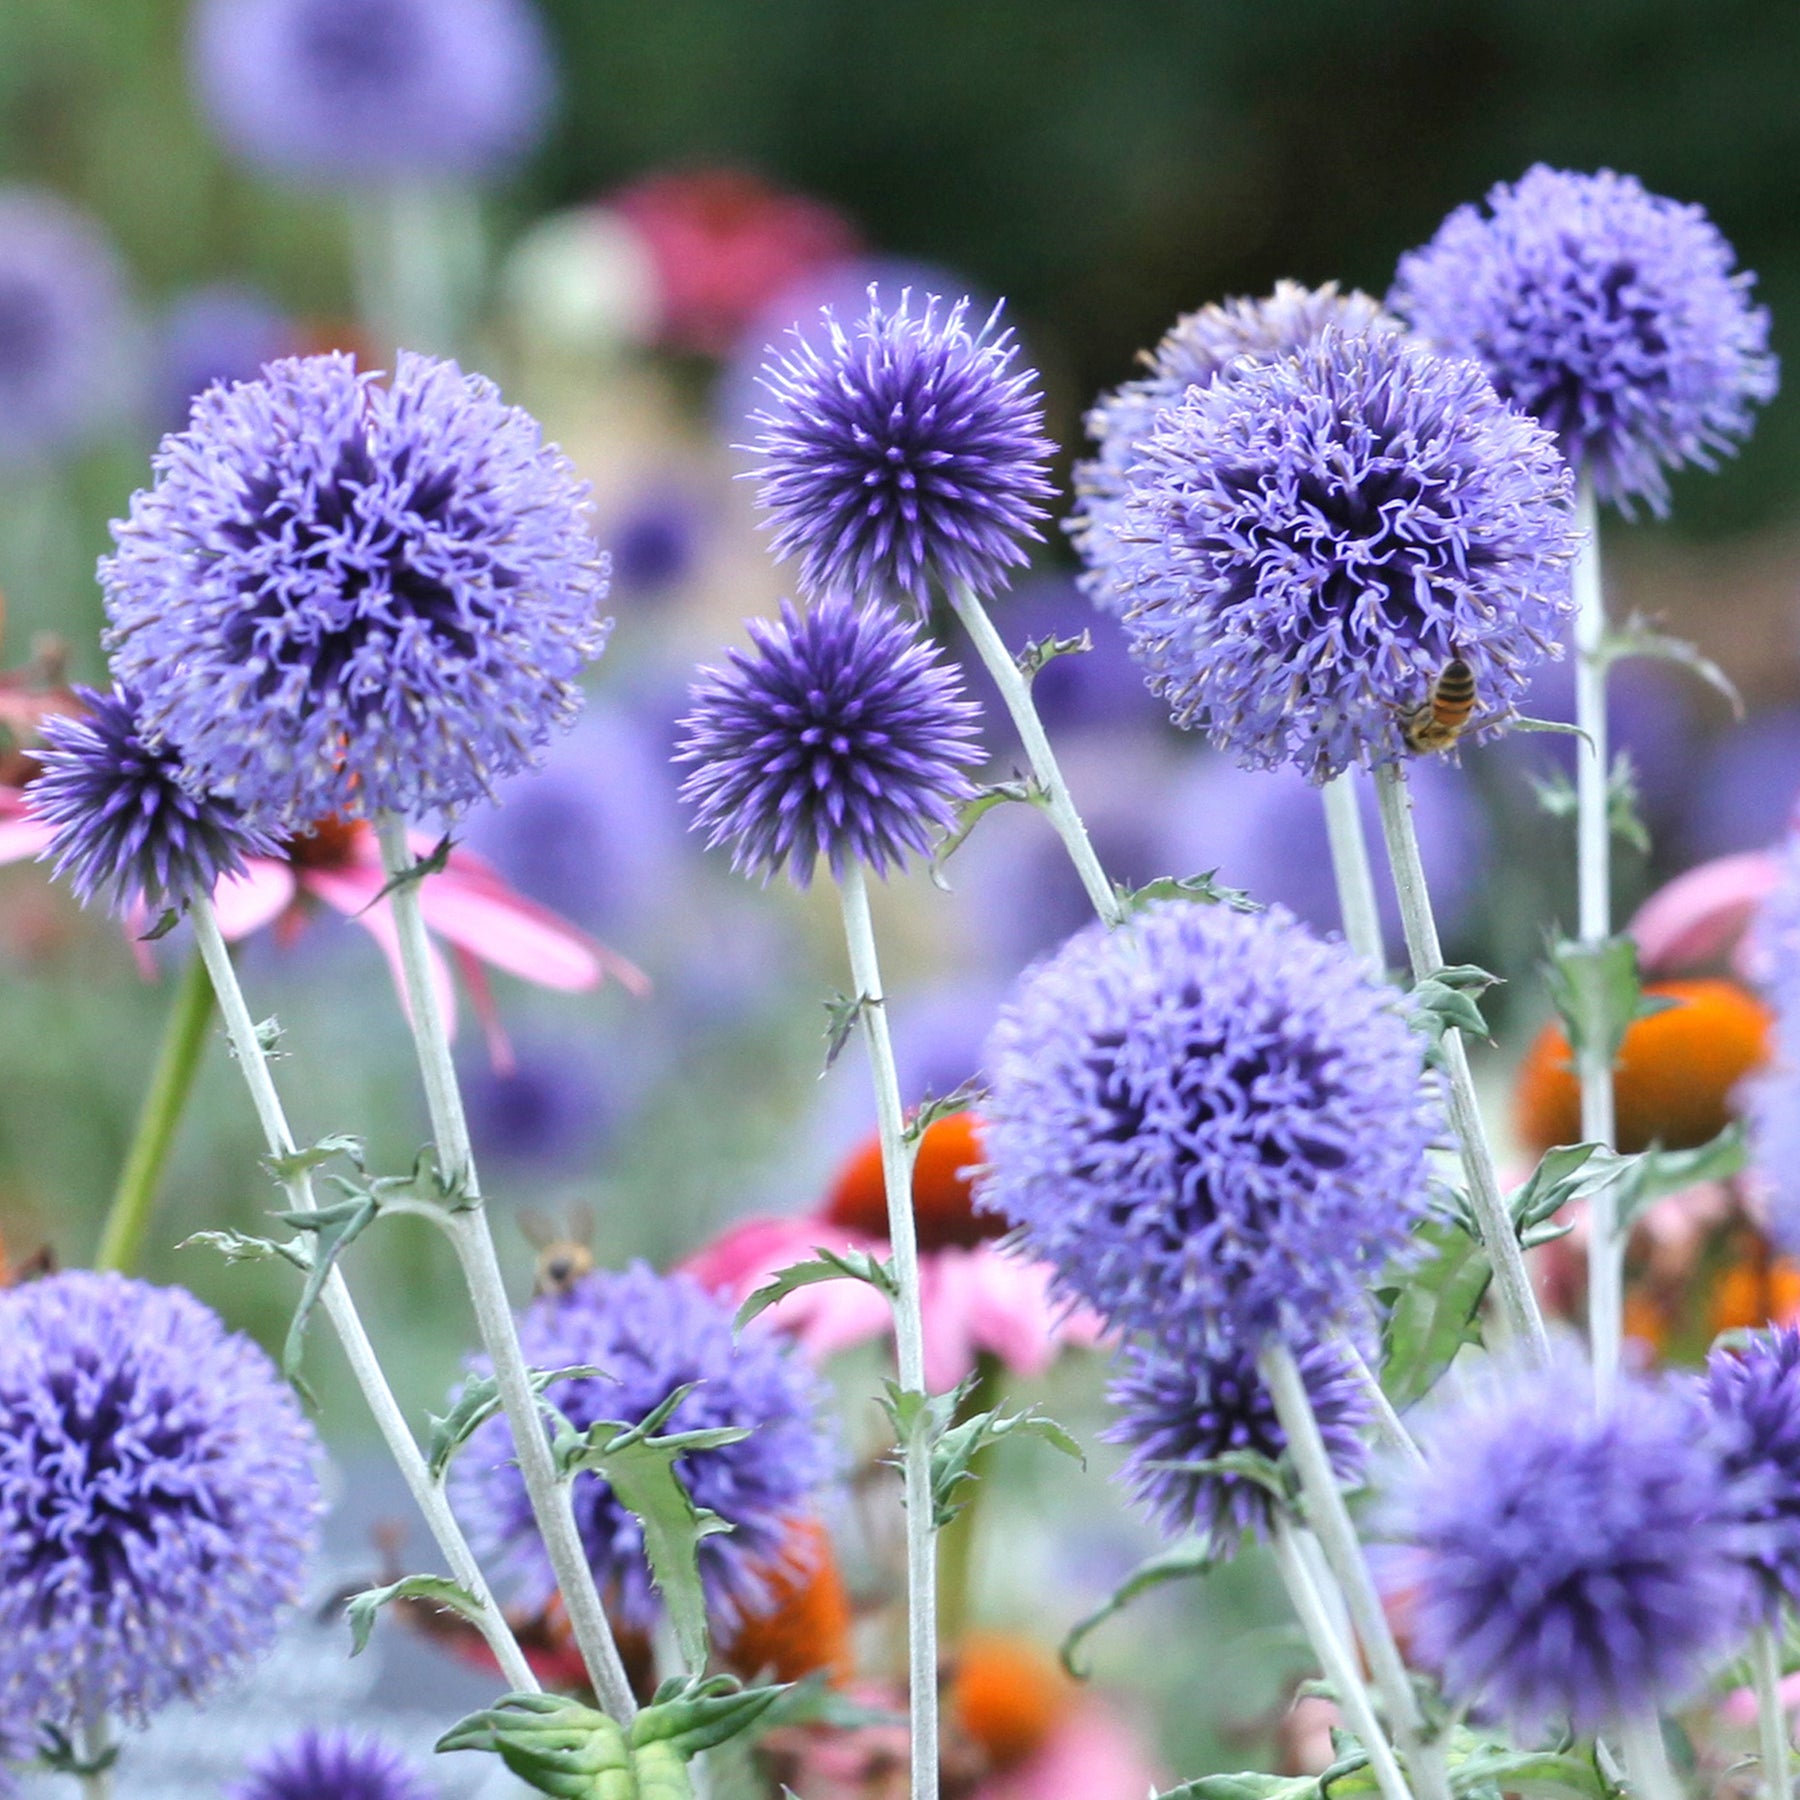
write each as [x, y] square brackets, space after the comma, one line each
[1447, 1000]
[557, 1746]
[477, 1401]
[1241, 1465]
[1186, 1564]
[433, 862]
[1596, 990]
[268, 1036]
[1649, 1175]
[440, 1590]
[1559, 727]
[935, 1107]
[692, 1714]
[235, 1246]
[335, 1228]
[1201, 888]
[1563, 1174]
[972, 811]
[1637, 637]
[1433, 1311]
[828, 1265]
[842, 1016]
[1042, 651]
[166, 921]
[1623, 817]
[1248, 1786]
[1527, 1772]
[954, 1448]
[310, 1156]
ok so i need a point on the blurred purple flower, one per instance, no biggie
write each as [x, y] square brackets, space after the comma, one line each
[551, 1109]
[1754, 1389]
[357, 92]
[333, 1765]
[1741, 789]
[656, 541]
[224, 333]
[1772, 1098]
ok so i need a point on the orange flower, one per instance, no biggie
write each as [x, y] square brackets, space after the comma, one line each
[1754, 1291]
[942, 1206]
[807, 1627]
[1007, 1695]
[1675, 1075]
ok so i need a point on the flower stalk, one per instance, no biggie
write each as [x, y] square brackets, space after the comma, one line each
[1351, 870]
[1647, 1759]
[1771, 1715]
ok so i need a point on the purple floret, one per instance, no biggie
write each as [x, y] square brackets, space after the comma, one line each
[1213, 1126]
[1567, 1560]
[333, 1765]
[902, 451]
[1199, 1405]
[127, 829]
[159, 1499]
[1611, 315]
[345, 596]
[1308, 543]
[840, 733]
[652, 1334]
[1756, 1391]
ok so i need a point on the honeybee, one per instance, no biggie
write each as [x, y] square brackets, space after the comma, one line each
[1438, 722]
[563, 1256]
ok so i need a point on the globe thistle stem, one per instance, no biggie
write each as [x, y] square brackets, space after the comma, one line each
[909, 1333]
[1330, 1520]
[1647, 1760]
[1015, 690]
[96, 1740]
[415, 255]
[551, 1498]
[1593, 842]
[1350, 868]
[1517, 1301]
[340, 1308]
[1771, 1715]
[1389, 1422]
[171, 1082]
[1335, 1658]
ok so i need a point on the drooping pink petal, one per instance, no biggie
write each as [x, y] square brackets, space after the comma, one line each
[22, 833]
[1702, 917]
[984, 1299]
[487, 1014]
[352, 891]
[1739, 1707]
[1093, 1754]
[258, 897]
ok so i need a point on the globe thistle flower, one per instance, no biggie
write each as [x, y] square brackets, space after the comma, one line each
[356, 92]
[1771, 1099]
[841, 734]
[1755, 1391]
[1611, 315]
[652, 1334]
[1309, 543]
[342, 598]
[1194, 351]
[333, 1765]
[1191, 1408]
[159, 1499]
[1569, 1559]
[65, 327]
[902, 451]
[126, 828]
[1212, 1125]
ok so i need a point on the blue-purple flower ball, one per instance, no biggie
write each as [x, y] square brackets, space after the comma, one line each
[653, 1334]
[839, 734]
[1308, 543]
[345, 596]
[333, 1765]
[361, 92]
[1613, 316]
[1177, 1411]
[1755, 1391]
[1212, 1125]
[159, 1499]
[1567, 1560]
[1198, 348]
[901, 452]
[127, 827]
[1771, 1098]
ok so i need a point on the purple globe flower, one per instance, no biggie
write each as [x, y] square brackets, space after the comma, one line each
[215, 334]
[1755, 1392]
[652, 1334]
[1772, 1097]
[1739, 790]
[1211, 1125]
[902, 451]
[1568, 1560]
[841, 734]
[1611, 315]
[344, 597]
[126, 827]
[365, 91]
[1194, 351]
[1178, 1411]
[159, 1499]
[1308, 544]
[65, 328]
[333, 1765]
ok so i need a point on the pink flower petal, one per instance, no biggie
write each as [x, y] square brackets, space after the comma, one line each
[352, 892]
[1699, 917]
[487, 1014]
[1004, 1306]
[247, 902]
[511, 933]
[22, 833]
[1093, 1754]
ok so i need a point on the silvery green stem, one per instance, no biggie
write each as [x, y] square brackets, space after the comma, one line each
[1015, 691]
[340, 1308]
[96, 1738]
[1336, 1659]
[1771, 1716]
[1593, 849]
[1647, 1760]
[1350, 868]
[909, 1333]
[416, 254]
[552, 1503]
[1330, 1520]
[1518, 1303]
[1387, 1420]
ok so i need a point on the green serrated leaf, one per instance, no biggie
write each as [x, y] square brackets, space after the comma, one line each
[439, 1590]
[310, 1156]
[693, 1714]
[1448, 1000]
[1562, 1174]
[1433, 1312]
[477, 1401]
[1560, 727]
[972, 811]
[1250, 1785]
[1242, 1465]
[433, 862]
[1650, 1175]
[1040, 652]
[954, 1448]
[268, 1036]
[1203, 889]
[166, 921]
[1637, 637]
[1526, 1772]
[935, 1107]
[334, 1229]
[1596, 990]
[236, 1246]
[826, 1265]
[1624, 819]
[557, 1746]
[1186, 1564]
[842, 1015]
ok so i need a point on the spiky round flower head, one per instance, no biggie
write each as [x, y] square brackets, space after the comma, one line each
[1308, 543]
[1211, 1124]
[902, 451]
[1202, 1404]
[159, 1499]
[1756, 1390]
[653, 1334]
[839, 734]
[1611, 315]
[1567, 1559]
[127, 829]
[363, 91]
[333, 1765]
[1196, 350]
[344, 596]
